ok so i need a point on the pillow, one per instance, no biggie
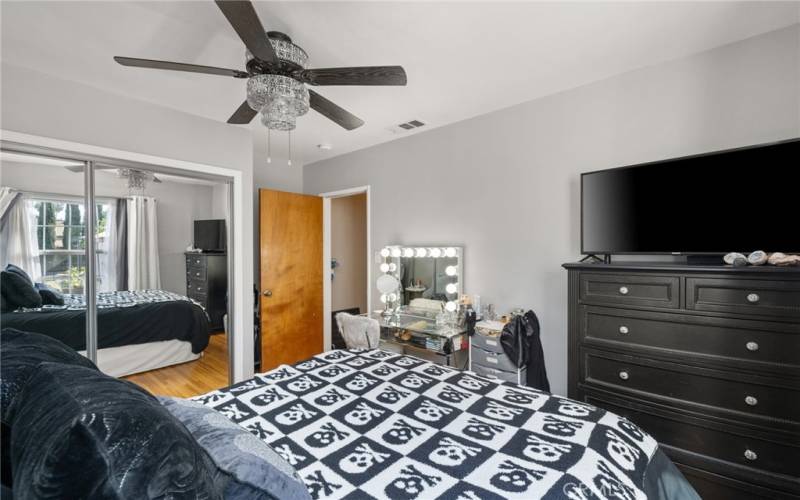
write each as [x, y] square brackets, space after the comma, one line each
[11, 268]
[50, 296]
[20, 356]
[76, 433]
[18, 290]
[255, 470]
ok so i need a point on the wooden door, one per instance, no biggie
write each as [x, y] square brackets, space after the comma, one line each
[291, 277]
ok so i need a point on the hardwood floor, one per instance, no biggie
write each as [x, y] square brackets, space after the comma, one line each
[190, 379]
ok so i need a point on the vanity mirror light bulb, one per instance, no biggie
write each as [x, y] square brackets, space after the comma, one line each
[451, 288]
[383, 298]
[392, 297]
[436, 253]
[450, 252]
[396, 252]
[450, 306]
[408, 252]
[385, 252]
[392, 267]
[450, 270]
[421, 252]
[385, 267]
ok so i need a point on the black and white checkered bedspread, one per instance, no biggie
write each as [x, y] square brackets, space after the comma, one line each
[375, 424]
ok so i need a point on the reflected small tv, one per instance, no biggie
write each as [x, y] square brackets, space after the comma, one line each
[736, 200]
[209, 235]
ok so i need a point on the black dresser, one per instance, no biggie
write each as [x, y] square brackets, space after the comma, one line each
[207, 283]
[704, 358]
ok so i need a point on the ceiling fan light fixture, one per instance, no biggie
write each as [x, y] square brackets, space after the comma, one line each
[284, 49]
[279, 99]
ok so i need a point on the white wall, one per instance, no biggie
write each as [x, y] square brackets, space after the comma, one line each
[39, 104]
[179, 205]
[506, 185]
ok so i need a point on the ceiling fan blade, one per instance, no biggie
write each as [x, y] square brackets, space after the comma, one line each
[363, 75]
[243, 18]
[157, 180]
[333, 112]
[243, 115]
[191, 68]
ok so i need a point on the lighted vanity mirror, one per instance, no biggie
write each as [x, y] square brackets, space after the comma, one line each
[430, 277]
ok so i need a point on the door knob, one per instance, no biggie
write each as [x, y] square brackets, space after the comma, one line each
[267, 293]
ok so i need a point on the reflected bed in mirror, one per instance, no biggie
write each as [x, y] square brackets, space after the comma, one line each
[430, 277]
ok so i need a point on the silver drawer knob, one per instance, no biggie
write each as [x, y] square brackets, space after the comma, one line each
[750, 455]
[623, 290]
[752, 346]
[753, 298]
[623, 330]
[197, 274]
[623, 375]
[751, 401]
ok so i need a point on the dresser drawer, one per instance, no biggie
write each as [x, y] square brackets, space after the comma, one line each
[194, 286]
[492, 359]
[195, 261]
[753, 397]
[196, 273]
[740, 296]
[682, 334]
[722, 443]
[633, 290]
[487, 343]
[495, 374]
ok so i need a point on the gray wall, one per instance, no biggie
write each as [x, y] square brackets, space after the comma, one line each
[506, 185]
[179, 205]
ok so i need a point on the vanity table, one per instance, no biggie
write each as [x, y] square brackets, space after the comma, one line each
[441, 344]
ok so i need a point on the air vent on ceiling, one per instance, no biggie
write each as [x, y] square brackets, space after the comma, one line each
[405, 127]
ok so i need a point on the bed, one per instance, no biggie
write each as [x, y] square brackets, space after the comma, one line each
[377, 424]
[137, 330]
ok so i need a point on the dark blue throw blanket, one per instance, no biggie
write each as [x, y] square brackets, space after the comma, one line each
[375, 424]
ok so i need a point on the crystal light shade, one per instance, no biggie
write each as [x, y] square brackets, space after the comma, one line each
[279, 99]
[286, 51]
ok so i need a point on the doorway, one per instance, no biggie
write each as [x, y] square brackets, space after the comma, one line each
[346, 258]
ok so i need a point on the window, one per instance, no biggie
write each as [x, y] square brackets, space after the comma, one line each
[61, 232]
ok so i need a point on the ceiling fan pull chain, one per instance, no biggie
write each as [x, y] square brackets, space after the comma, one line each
[269, 148]
[290, 149]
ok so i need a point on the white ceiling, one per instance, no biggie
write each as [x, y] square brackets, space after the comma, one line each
[462, 59]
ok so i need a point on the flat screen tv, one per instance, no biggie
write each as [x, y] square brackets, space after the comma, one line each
[209, 235]
[737, 200]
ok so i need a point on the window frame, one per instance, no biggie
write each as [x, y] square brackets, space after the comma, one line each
[48, 200]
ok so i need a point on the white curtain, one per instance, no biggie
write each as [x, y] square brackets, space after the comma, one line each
[143, 270]
[107, 253]
[21, 247]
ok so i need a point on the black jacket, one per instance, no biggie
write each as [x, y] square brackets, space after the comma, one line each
[522, 344]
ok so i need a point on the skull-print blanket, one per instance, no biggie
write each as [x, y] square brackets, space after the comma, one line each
[375, 424]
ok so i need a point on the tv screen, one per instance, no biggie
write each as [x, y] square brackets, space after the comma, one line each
[729, 201]
[209, 235]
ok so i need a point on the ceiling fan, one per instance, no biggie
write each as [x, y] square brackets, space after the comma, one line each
[277, 75]
[135, 179]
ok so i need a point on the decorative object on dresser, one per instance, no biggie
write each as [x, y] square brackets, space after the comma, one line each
[705, 358]
[207, 283]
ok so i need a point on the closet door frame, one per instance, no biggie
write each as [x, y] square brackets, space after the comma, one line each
[240, 325]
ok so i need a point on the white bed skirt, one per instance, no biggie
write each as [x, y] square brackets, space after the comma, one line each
[130, 359]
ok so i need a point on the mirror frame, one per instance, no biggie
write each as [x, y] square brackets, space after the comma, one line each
[391, 256]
